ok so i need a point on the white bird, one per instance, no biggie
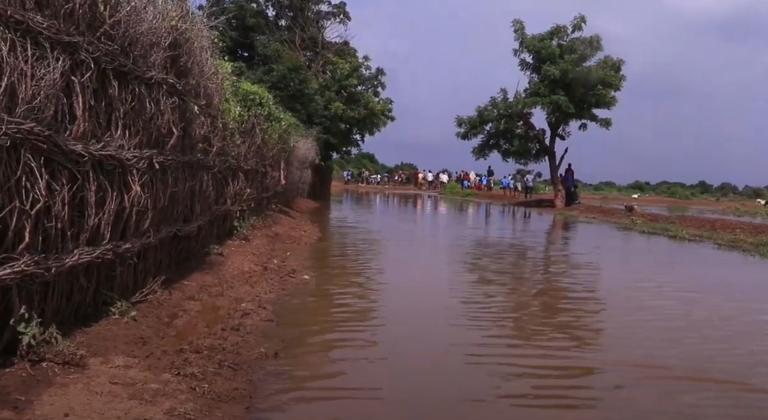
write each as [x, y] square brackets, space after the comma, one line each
[760, 201]
[635, 195]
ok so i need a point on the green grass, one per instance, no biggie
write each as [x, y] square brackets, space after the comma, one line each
[748, 244]
[752, 210]
[454, 190]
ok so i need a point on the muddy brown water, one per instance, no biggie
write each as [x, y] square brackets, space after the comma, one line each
[427, 308]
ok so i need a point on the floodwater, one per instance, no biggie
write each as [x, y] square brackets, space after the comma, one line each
[427, 308]
[695, 211]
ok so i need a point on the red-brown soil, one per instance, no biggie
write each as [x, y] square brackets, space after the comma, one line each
[191, 352]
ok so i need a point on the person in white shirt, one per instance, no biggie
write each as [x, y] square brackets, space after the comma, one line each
[443, 177]
[529, 185]
[430, 179]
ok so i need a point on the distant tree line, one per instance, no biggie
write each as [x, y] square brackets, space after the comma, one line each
[367, 161]
[679, 190]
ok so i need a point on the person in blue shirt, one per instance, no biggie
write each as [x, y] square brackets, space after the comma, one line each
[505, 185]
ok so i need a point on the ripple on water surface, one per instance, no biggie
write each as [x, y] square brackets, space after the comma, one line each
[429, 308]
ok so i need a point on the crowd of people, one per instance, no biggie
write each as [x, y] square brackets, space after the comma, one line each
[513, 184]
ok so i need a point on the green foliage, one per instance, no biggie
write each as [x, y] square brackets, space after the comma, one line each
[568, 79]
[299, 52]
[34, 338]
[678, 190]
[753, 192]
[359, 161]
[454, 190]
[503, 126]
[406, 167]
[242, 101]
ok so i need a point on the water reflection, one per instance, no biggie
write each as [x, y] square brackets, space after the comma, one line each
[426, 307]
[535, 309]
[337, 320]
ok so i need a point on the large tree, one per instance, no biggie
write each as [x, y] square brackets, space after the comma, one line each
[568, 80]
[299, 50]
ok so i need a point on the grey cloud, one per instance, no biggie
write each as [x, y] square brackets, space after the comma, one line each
[691, 108]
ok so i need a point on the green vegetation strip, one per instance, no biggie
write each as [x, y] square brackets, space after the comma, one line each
[454, 190]
[748, 244]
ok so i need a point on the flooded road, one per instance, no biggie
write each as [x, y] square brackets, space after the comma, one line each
[427, 308]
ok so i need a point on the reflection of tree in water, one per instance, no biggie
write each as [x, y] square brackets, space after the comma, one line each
[333, 323]
[536, 307]
[542, 281]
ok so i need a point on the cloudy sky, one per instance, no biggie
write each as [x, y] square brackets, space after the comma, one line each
[694, 107]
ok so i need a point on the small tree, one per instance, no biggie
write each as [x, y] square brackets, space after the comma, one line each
[567, 79]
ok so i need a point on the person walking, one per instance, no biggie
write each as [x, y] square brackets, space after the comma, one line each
[517, 184]
[529, 185]
[505, 189]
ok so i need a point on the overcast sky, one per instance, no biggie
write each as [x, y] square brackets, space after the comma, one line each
[695, 105]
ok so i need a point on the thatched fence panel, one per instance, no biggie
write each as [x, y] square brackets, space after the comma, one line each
[116, 165]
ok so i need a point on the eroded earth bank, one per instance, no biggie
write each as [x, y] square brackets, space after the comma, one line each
[189, 352]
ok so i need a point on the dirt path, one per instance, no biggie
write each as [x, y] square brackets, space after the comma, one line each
[191, 352]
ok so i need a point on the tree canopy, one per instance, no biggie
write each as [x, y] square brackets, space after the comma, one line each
[568, 79]
[300, 52]
[360, 161]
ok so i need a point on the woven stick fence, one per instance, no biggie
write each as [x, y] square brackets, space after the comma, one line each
[115, 163]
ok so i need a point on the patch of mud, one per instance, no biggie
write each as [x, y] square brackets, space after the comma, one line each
[192, 351]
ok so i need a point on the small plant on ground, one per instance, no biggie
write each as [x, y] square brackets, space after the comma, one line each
[36, 342]
[119, 308]
[245, 222]
[243, 225]
[122, 309]
[215, 250]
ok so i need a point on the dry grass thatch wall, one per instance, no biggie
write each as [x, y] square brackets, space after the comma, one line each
[117, 163]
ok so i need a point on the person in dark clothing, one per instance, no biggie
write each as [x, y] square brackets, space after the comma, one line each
[569, 182]
[490, 174]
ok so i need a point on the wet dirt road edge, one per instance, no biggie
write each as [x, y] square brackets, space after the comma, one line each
[192, 352]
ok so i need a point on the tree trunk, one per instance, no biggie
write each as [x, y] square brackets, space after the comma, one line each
[320, 187]
[554, 175]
